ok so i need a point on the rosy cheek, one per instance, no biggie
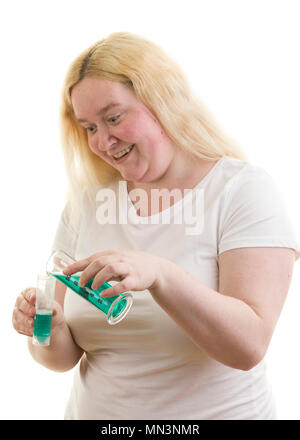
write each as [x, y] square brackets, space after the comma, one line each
[128, 132]
[137, 128]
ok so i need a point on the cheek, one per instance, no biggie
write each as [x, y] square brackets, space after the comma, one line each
[141, 126]
[161, 155]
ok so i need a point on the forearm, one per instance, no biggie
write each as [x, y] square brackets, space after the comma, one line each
[226, 328]
[61, 355]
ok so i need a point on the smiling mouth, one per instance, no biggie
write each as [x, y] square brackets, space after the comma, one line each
[123, 153]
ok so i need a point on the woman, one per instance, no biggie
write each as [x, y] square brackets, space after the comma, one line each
[208, 290]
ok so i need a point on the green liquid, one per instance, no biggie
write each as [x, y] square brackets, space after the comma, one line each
[42, 325]
[92, 295]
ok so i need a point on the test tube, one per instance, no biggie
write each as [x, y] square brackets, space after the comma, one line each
[45, 291]
[115, 307]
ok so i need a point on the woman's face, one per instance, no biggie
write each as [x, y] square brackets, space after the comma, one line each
[115, 121]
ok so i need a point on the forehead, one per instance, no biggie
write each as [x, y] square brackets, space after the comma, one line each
[93, 93]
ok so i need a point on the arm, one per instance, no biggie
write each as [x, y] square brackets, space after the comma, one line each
[235, 324]
[63, 353]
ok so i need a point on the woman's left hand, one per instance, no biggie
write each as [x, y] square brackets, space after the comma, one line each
[135, 270]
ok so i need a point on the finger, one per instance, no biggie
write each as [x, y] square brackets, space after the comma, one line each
[111, 271]
[29, 294]
[122, 287]
[24, 306]
[92, 269]
[26, 333]
[56, 309]
[78, 266]
[22, 324]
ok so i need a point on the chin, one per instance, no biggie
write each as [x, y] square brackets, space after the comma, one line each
[134, 176]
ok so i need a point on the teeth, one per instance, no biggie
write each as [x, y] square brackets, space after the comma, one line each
[117, 156]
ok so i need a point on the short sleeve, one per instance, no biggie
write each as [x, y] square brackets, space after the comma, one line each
[255, 214]
[66, 236]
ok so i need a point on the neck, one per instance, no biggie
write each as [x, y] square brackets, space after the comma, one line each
[185, 178]
[185, 174]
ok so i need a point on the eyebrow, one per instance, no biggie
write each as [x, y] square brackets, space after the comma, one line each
[103, 110]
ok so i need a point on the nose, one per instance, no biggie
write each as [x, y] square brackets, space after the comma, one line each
[102, 140]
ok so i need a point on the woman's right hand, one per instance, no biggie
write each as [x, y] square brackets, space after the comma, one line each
[24, 312]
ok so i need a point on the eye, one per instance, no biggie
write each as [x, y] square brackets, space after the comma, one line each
[90, 129]
[113, 119]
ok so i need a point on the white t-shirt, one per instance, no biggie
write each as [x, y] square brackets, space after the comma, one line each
[146, 367]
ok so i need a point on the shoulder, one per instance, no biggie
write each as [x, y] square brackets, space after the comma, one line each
[235, 171]
[239, 179]
[253, 210]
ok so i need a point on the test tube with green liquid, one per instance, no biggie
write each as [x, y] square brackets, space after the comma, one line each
[115, 307]
[45, 290]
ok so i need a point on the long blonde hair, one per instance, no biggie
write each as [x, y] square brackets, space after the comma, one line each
[162, 87]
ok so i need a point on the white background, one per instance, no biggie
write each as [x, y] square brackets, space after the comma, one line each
[242, 59]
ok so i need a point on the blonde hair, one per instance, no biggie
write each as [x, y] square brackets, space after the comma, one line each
[160, 85]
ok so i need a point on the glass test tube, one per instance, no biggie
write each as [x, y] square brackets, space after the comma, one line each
[115, 308]
[45, 290]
